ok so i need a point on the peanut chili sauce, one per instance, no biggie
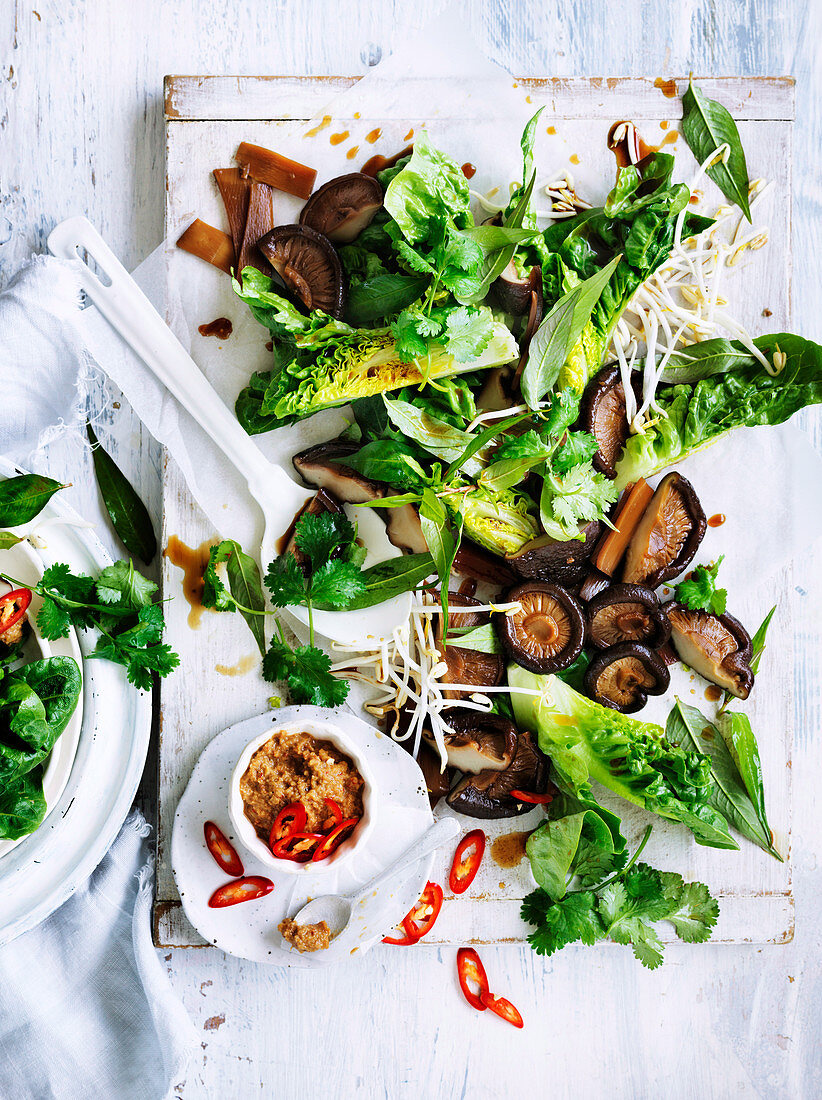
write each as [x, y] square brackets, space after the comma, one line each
[192, 561]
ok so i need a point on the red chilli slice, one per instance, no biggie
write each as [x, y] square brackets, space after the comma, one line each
[241, 889]
[298, 847]
[335, 838]
[223, 851]
[336, 817]
[423, 916]
[19, 596]
[503, 1008]
[290, 820]
[532, 797]
[467, 860]
[470, 969]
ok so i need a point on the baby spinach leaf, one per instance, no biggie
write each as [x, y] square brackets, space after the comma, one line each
[129, 516]
[706, 125]
[382, 296]
[25, 496]
[688, 728]
[22, 805]
[36, 703]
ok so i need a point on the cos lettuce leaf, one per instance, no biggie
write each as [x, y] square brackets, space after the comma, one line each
[747, 396]
[633, 759]
[499, 520]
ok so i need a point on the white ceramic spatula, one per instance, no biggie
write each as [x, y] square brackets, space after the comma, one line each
[132, 315]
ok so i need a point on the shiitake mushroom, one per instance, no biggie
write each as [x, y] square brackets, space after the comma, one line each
[623, 676]
[478, 741]
[309, 266]
[343, 207]
[546, 632]
[560, 561]
[718, 647]
[602, 413]
[668, 535]
[488, 794]
[626, 613]
[466, 666]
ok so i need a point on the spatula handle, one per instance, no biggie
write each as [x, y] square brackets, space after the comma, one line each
[131, 314]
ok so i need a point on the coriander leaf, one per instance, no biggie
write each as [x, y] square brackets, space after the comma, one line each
[699, 591]
[576, 449]
[468, 332]
[337, 583]
[285, 581]
[413, 259]
[53, 621]
[571, 920]
[306, 671]
[626, 907]
[60, 578]
[692, 911]
[122, 584]
[215, 594]
[319, 537]
[409, 342]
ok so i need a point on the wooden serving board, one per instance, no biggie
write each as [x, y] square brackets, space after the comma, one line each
[206, 118]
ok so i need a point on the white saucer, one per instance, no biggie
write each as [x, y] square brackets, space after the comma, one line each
[249, 929]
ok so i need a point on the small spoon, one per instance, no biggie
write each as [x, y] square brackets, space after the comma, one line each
[336, 910]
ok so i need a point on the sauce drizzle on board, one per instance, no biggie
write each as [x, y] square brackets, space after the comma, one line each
[192, 562]
[717, 520]
[667, 87]
[508, 850]
[469, 170]
[713, 693]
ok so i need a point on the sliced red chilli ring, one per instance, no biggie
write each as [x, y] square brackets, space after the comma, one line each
[223, 851]
[467, 860]
[532, 797]
[335, 838]
[241, 889]
[297, 847]
[290, 820]
[335, 817]
[470, 970]
[421, 919]
[21, 597]
[503, 1008]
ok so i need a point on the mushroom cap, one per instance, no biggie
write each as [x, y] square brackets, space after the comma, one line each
[308, 265]
[467, 666]
[602, 413]
[343, 207]
[512, 293]
[626, 613]
[668, 535]
[323, 466]
[718, 647]
[479, 741]
[623, 676]
[560, 561]
[546, 633]
[488, 794]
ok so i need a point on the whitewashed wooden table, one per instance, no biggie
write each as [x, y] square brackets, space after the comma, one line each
[81, 130]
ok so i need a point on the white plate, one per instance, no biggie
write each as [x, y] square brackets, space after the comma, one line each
[46, 867]
[22, 563]
[249, 930]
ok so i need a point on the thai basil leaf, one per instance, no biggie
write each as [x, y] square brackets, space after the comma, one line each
[371, 415]
[246, 588]
[739, 737]
[493, 264]
[706, 125]
[688, 728]
[390, 578]
[7, 540]
[559, 332]
[491, 238]
[758, 641]
[22, 805]
[25, 496]
[481, 440]
[438, 437]
[705, 360]
[443, 542]
[391, 461]
[129, 516]
[382, 296]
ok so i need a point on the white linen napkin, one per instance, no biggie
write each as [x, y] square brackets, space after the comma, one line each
[86, 1009]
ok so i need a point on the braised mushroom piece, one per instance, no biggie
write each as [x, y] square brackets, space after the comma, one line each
[668, 535]
[718, 647]
[623, 676]
[467, 666]
[512, 292]
[602, 413]
[479, 741]
[343, 207]
[546, 632]
[308, 265]
[562, 562]
[488, 794]
[626, 613]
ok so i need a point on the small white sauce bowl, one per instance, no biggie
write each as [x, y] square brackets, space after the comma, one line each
[247, 834]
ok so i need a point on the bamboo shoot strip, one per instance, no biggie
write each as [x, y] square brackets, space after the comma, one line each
[209, 244]
[235, 191]
[266, 166]
[259, 222]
